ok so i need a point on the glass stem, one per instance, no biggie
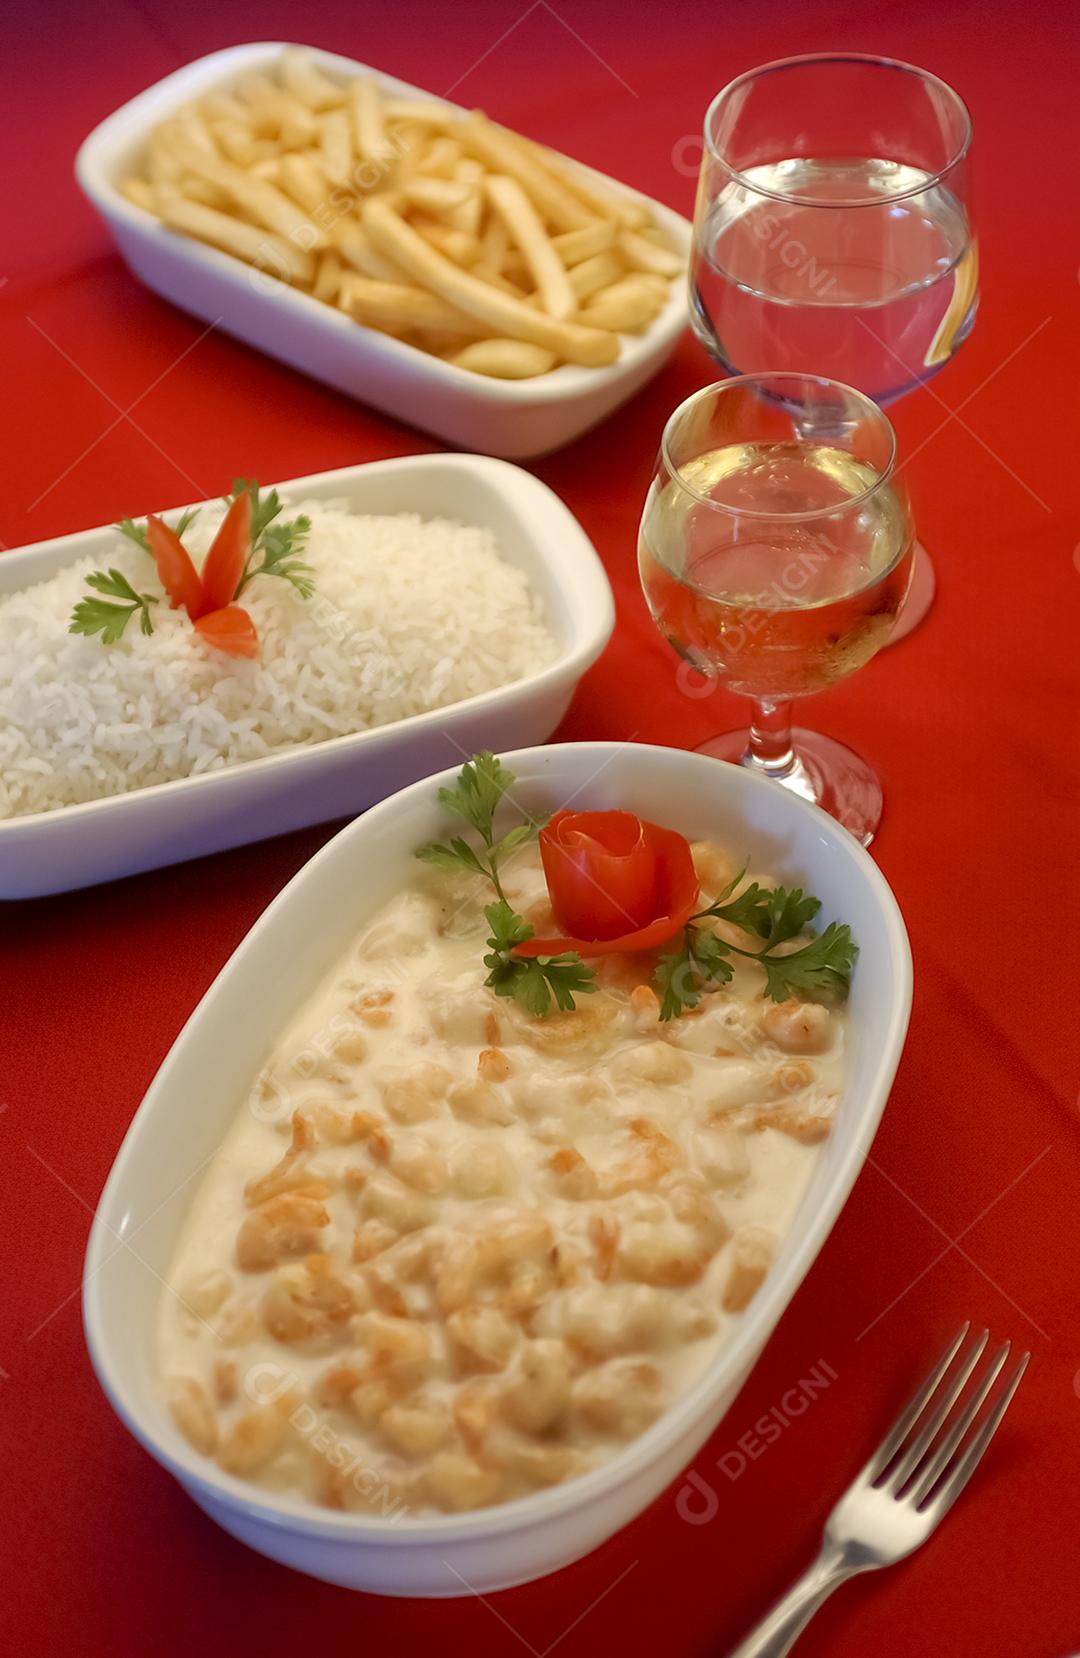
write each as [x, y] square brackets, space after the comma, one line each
[769, 749]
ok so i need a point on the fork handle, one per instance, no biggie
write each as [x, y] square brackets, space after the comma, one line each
[778, 1631]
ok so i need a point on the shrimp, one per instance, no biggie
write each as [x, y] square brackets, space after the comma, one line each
[345, 1128]
[481, 1338]
[644, 1009]
[600, 1320]
[456, 1270]
[561, 1033]
[493, 1065]
[538, 1387]
[292, 1171]
[621, 1397]
[206, 1295]
[413, 1095]
[669, 1256]
[715, 868]
[604, 1237]
[284, 1226]
[458, 1482]
[799, 1121]
[476, 1101]
[252, 1439]
[528, 1237]
[576, 1179]
[474, 1410]
[480, 1169]
[225, 1381]
[415, 1429]
[672, 1248]
[371, 1239]
[193, 1413]
[336, 1384]
[422, 1167]
[529, 1282]
[308, 1306]
[798, 1027]
[653, 1156]
[398, 1348]
[537, 1464]
[656, 1063]
[398, 1206]
[374, 1007]
[752, 1252]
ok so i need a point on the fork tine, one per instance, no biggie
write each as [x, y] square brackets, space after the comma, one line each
[934, 1466]
[913, 1409]
[914, 1453]
[962, 1471]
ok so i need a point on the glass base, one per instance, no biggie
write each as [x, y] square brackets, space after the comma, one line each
[920, 596]
[825, 772]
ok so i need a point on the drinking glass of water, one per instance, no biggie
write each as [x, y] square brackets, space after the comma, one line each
[833, 228]
[775, 552]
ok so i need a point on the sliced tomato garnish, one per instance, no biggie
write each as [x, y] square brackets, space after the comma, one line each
[179, 577]
[228, 554]
[616, 881]
[229, 629]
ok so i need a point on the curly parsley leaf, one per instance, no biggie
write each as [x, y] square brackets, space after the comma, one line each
[776, 916]
[507, 927]
[137, 532]
[275, 548]
[92, 616]
[823, 966]
[534, 982]
[456, 854]
[784, 914]
[481, 785]
[683, 975]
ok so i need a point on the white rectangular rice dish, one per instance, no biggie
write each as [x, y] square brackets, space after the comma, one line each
[76, 846]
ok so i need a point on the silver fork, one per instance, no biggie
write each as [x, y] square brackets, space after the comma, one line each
[906, 1488]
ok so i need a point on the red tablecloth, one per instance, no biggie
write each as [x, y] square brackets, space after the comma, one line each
[969, 1204]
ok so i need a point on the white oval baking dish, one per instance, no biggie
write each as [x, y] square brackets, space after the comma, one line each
[294, 944]
[75, 846]
[513, 419]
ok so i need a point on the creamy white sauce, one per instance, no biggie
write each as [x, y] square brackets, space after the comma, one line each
[503, 1245]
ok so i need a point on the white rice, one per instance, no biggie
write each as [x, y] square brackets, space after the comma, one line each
[407, 616]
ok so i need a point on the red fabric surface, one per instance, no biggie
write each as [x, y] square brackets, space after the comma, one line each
[969, 1204]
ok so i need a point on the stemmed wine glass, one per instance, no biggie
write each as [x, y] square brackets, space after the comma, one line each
[775, 552]
[833, 229]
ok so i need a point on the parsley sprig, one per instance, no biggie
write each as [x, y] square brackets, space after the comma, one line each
[92, 616]
[275, 548]
[532, 981]
[703, 961]
[137, 532]
[535, 982]
[482, 782]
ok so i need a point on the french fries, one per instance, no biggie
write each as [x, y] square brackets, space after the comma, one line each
[439, 228]
[526, 228]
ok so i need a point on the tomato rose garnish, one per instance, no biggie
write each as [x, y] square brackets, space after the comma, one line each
[616, 882]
